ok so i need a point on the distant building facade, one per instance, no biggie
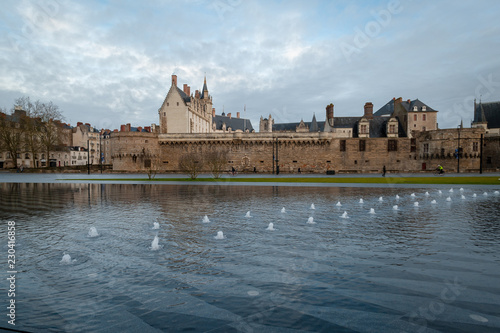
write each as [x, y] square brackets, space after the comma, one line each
[487, 116]
[397, 118]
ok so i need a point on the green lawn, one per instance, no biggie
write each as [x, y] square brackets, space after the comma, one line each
[478, 180]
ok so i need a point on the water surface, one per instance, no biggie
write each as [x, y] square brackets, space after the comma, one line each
[434, 267]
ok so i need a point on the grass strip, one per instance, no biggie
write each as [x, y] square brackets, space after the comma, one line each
[343, 180]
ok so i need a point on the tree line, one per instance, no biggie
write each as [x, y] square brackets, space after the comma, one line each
[32, 127]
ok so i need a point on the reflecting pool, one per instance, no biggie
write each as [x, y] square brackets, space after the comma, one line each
[210, 258]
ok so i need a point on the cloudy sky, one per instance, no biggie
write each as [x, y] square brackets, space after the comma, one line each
[110, 62]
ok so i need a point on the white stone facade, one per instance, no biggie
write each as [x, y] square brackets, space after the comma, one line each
[183, 112]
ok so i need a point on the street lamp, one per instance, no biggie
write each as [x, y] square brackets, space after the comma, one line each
[277, 160]
[458, 150]
[88, 156]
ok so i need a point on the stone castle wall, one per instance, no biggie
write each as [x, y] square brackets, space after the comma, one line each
[311, 152]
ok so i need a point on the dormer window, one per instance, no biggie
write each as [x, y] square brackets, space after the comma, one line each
[424, 108]
[415, 108]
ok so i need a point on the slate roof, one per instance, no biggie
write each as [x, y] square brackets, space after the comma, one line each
[488, 112]
[185, 97]
[385, 110]
[345, 122]
[378, 126]
[204, 88]
[135, 129]
[235, 123]
[388, 108]
[292, 127]
[314, 125]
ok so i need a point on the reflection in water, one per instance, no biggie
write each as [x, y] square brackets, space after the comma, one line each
[304, 276]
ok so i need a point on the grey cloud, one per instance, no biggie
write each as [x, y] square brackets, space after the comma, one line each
[114, 62]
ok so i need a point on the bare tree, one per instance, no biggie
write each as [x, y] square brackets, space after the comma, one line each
[217, 161]
[10, 135]
[51, 129]
[151, 163]
[192, 164]
[31, 125]
[42, 126]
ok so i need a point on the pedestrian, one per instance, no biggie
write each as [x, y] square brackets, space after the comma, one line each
[383, 171]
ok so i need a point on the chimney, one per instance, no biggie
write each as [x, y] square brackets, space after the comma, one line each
[237, 114]
[79, 123]
[122, 128]
[139, 129]
[174, 79]
[188, 91]
[128, 127]
[213, 112]
[394, 98]
[229, 115]
[369, 110]
[329, 111]
[197, 94]
[185, 88]
[115, 130]
[408, 101]
[148, 129]
[87, 124]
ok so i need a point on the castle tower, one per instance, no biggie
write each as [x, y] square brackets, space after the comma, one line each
[184, 113]
[266, 124]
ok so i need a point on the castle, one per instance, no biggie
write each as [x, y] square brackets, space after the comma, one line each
[402, 136]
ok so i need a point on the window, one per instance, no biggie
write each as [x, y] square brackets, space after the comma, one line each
[424, 118]
[426, 148]
[442, 152]
[362, 145]
[475, 146]
[147, 163]
[363, 129]
[27, 156]
[415, 117]
[392, 145]
[415, 108]
[424, 128]
[177, 103]
[168, 103]
[424, 108]
[342, 145]
[392, 129]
